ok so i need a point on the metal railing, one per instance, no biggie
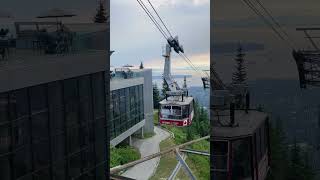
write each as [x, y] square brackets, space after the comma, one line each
[175, 149]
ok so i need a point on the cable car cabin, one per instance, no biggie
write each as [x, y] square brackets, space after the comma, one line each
[176, 110]
[240, 150]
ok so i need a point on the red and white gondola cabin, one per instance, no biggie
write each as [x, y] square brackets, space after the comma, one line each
[176, 110]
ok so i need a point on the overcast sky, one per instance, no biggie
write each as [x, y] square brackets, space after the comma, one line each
[134, 38]
[266, 55]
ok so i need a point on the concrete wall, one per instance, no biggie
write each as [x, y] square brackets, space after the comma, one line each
[148, 101]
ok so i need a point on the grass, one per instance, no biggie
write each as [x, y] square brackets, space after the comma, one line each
[199, 165]
[123, 155]
[167, 162]
[155, 117]
[148, 135]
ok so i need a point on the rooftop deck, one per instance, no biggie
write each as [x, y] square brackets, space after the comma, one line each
[246, 125]
[25, 67]
[177, 100]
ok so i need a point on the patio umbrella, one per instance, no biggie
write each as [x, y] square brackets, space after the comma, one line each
[56, 13]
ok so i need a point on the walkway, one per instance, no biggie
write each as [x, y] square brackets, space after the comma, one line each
[145, 170]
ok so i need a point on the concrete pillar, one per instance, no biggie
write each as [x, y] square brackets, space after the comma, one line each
[130, 141]
[142, 133]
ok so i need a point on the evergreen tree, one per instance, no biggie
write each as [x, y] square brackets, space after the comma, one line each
[287, 164]
[240, 75]
[101, 16]
[156, 96]
[165, 87]
[141, 65]
[279, 161]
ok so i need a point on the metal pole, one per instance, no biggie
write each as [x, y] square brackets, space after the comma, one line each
[184, 164]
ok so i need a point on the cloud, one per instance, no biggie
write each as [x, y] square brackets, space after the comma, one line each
[162, 3]
[134, 38]
[201, 61]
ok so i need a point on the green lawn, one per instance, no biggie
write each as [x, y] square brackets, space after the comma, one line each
[167, 162]
[199, 165]
[123, 155]
[155, 117]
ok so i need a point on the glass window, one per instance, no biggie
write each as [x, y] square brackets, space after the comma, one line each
[22, 161]
[42, 174]
[258, 144]
[84, 86]
[74, 165]
[40, 126]
[73, 143]
[241, 160]
[5, 140]
[98, 94]
[21, 132]
[57, 120]
[71, 115]
[85, 111]
[176, 110]
[58, 147]
[55, 95]
[38, 99]
[220, 155]
[41, 155]
[70, 91]
[4, 108]
[58, 171]
[5, 168]
[19, 104]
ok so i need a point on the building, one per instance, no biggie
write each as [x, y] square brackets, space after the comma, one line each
[53, 120]
[131, 104]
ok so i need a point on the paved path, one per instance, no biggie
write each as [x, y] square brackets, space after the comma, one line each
[145, 170]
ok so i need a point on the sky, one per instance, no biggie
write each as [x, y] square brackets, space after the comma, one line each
[135, 39]
[266, 55]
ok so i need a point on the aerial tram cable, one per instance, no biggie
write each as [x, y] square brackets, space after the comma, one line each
[192, 65]
[166, 36]
[265, 20]
[160, 18]
[152, 19]
[274, 20]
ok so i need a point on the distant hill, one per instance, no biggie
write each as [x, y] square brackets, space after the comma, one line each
[174, 76]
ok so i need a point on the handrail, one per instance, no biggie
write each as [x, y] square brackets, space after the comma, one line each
[172, 149]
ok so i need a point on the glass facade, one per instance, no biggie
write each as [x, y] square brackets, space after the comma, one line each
[126, 109]
[54, 131]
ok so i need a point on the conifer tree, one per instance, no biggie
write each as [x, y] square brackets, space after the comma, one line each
[165, 87]
[240, 75]
[101, 16]
[141, 65]
[156, 96]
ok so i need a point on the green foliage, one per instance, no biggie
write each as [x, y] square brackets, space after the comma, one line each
[288, 162]
[200, 165]
[165, 88]
[156, 96]
[100, 17]
[122, 155]
[148, 135]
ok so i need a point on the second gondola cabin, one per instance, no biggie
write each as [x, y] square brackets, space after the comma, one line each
[176, 110]
[241, 150]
